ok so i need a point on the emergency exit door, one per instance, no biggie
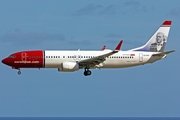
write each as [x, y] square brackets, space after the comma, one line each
[140, 57]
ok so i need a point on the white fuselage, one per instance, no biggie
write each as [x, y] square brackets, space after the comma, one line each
[122, 59]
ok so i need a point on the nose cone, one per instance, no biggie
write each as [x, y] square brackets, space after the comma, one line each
[4, 61]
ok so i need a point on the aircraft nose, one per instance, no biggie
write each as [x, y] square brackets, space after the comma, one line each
[4, 61]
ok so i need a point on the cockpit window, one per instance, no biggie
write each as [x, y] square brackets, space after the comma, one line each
[12, 56]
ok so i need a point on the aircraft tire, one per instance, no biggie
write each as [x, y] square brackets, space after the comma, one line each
[19, 72]
[87, 73]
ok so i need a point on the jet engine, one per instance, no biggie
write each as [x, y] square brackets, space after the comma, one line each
[68, 67]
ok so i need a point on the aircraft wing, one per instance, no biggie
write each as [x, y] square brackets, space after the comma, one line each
[95, 60]
[91, 62]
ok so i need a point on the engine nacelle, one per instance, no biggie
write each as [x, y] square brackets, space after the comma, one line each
[69, 67]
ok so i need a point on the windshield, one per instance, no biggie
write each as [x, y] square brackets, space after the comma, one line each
[12, 56]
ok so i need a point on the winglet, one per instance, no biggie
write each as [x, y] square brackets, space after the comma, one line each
[103, 48]
[119, 46]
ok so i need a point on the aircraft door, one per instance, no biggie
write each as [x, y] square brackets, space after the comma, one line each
[140, 57]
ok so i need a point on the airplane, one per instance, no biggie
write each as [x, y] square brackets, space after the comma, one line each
[74, 60]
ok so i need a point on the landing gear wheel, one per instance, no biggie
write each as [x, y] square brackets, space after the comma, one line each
[19, 72]
[87, 72]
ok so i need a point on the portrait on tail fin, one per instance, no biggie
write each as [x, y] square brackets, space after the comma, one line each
[159, 44]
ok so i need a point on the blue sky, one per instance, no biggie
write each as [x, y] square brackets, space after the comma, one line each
[150, 90]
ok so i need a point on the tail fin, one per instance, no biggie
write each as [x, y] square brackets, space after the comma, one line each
[158, 41]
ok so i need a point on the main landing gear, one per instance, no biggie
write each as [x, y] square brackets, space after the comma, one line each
[87, 72]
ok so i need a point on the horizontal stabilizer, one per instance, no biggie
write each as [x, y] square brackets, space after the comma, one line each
[163, 53]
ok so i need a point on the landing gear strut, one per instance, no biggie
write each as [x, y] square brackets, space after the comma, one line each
[87, 72]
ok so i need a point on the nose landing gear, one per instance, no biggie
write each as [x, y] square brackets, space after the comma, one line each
[19, 72]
